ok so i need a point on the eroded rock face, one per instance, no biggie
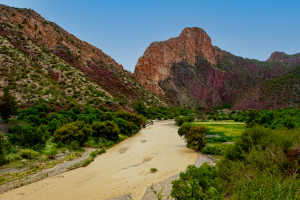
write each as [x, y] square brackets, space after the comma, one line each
[159, 57]
[189, 70]
[50, 35]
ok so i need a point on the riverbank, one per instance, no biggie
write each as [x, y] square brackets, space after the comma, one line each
[123, 169]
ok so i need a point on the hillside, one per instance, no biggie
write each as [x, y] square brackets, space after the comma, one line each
[39, 59]
[189, 70]
[274, 93]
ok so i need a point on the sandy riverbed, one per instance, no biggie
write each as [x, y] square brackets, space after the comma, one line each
[123, 169]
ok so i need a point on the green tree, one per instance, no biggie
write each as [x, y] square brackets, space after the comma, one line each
[196, 136]
[26, 136]
[8, 104]
[53, 126]
[98, 129]
[71, 132]
[111, 130]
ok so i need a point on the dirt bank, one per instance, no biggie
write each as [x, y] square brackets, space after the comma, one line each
[124, 169]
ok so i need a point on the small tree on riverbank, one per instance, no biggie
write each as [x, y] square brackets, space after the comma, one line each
[194, 135]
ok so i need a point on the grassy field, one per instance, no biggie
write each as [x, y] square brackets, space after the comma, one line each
[228, 131]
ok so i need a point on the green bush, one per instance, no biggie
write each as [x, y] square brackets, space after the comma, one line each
[27, 136]
[71, 132]
[53, 126]
[216, 149]
[28, 153]
[1, 144]
[197, 183]
[51, 153]
[74, 145]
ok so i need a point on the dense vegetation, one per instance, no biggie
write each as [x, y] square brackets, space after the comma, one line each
[162, 112]
[37, 125]
[263, 163]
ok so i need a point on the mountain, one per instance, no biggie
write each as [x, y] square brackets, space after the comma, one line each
[39, 59]
[190, 70]
[280, 92]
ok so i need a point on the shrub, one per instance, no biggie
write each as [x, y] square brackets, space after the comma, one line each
[74, 145]
[179, 121]
[71, 132]
[28, 153]
[107, 129]
[51, 153]
[122, 126]
[53, 126]
[216, 149]
[26, 136]
[197, 183]
[1, 144]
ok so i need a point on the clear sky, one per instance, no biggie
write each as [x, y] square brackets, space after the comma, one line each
[124, 29]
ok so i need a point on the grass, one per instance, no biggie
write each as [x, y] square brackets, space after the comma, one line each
[228, 131]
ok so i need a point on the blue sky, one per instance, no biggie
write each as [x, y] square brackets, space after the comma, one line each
[124, 29]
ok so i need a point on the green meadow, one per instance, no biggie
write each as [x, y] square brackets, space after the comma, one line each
[228, 131]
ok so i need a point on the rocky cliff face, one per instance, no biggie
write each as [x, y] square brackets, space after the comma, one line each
[291, 61]
[48, 62]
[280, 92]
[189, 70]
[159, 57]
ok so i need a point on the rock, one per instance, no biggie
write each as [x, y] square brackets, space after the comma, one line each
[191, 71]
[123, 197]
[159, 56]
[39, 165]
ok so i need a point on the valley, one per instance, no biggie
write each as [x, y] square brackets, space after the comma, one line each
[123, 169]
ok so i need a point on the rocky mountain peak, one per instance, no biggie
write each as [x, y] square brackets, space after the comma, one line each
[158, 58]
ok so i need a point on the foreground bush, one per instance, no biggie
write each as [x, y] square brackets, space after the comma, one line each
[75, 131]
[28, 153]
[197, 183]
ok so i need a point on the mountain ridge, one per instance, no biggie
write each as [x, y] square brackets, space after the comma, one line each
[158, 70]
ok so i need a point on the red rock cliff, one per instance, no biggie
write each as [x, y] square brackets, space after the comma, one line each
[158, 58]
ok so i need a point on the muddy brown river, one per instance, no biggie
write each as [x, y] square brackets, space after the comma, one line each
[123, 169]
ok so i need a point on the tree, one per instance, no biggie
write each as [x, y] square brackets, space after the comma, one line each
[122, 126]
[53, 126]
[107, 129]
[111, 130]
[8, 104]
[26, 136]
[193, 135]
[139, 107]
[196, 136]
[98, 129]
[71, 132]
